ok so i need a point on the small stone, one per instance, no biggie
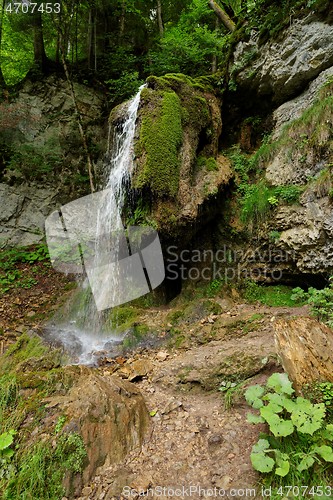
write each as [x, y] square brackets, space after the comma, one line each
[223, 482]
[31, 314]
[171, 405]
[86, 491]
[162, 355]
[142, 483]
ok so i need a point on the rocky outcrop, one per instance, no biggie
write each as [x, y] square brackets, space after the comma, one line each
[42, 162]
[23, 210]
[306, 233]
[281, 69]
[305, 347]
[291, 110]
[110, 415]
[178, 169]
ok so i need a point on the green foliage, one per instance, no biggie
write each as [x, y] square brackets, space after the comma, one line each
[208, 163]
[231, 391]
[321, 392]
[161, 137]
[273, 295]
[10, 260]
[41, 469]
[6, 454]
[124, 87]
[188, 45]
[35, 469]
[321, 302]
[288, 194]
[214, 288]
[274, 236]
[34, 162]
[300, 441]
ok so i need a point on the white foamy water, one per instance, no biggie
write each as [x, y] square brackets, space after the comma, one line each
[83, 337]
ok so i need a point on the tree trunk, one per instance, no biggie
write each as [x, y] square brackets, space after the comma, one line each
[160, 18]
[90, 39]
[79, 121]
[39, 49]
[214, 61]
[222, 15]
[305, 347]
[2, 80]
[122, 20]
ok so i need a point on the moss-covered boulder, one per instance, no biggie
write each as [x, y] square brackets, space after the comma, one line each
[177, 167]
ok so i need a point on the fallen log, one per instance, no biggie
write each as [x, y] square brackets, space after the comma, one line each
[305, 347]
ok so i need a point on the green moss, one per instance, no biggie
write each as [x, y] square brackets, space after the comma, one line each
[121, 318]
[161, 136]
[209, 164]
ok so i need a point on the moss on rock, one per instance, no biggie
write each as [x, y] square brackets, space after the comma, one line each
[160, 138]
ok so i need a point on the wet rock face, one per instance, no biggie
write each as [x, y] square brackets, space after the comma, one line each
[281, 69]
[178, 171]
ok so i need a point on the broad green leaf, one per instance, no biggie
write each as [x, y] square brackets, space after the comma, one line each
[6, 439]
[8, 453]
[324, 452]
[328, 432]
[283, 468]
[280, 383]
[261, 445]
[305, 463]
[262, 462]
[254, 419]
[282, 462]
[282, 428]
[307, 417]
[253, 396]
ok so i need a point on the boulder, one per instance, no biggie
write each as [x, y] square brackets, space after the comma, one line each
[109, 413]
[305, 347]
[178, 170]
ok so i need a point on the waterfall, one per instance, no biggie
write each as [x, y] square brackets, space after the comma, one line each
[83, 334]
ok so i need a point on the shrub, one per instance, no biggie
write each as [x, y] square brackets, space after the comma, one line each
[298, 446]
[321, 302]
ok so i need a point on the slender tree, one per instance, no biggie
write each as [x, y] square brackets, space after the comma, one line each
[222, 15]
[160, 18]
[2, 13]
[40, 59]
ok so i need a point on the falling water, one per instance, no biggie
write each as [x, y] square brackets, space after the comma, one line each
[84, 335]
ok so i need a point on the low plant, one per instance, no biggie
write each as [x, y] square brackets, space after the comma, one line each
[214, 287]
[231, 391]
[321, 392]
[298, 444]
[6, 453]
[272, 295]
[321, 302]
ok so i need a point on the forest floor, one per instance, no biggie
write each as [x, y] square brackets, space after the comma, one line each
[199, 441]
[199, 437]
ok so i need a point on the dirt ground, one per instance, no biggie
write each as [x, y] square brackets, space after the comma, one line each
[197, 446]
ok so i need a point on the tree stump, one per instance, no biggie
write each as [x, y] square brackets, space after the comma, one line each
[305, 347]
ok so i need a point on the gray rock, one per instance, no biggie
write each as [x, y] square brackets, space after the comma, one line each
[42, 117]
[282, 68]
[291, 110]
[22, 212]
